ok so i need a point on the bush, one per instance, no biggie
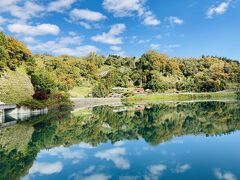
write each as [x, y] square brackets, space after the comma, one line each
[43, 81]
[100, 91]
[40, 95]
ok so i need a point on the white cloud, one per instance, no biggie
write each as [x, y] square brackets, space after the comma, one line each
[115, 156]
[39, 30]
[150, 19]
[85, 25]
[46, 168]
[89, 170]
[157, 170]
[70, 40]
[110, 37]
[218, 10]
[119, 143]
[64, 153]
[226, 175]
[116, 48]
[142, 41]
[85, 145]
[125, 8]
[155, 46]
[159, 36]
[67, 45]
[182, 168]
[87, 15]
[98, 177]
[23, 13]
[60, 5]
[173, 46]
[173, 20]
[7, 3]
[31, 9]
[77, 51]
[2, 20]
[29, 40]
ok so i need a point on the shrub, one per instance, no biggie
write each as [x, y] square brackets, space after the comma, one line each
[100, 91]
[40, 95]
[59, 96]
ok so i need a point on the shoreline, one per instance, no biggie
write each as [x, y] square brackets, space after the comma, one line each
[175, 97]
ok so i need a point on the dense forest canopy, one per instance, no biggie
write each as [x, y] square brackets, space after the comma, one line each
[153, 71]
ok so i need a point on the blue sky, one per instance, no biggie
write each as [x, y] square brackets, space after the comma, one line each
[183, 28]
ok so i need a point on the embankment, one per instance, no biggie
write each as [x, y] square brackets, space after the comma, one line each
[93, 102]
[15, 86]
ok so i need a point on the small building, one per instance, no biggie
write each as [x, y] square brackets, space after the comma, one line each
[119, 89]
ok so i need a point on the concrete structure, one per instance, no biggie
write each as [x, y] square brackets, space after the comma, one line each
[120, 89]
[93, 102]
[10, 114]
[5, 108]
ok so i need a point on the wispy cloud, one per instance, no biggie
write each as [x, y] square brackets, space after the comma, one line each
[66, 45]
[46, 168]
[86, 18]
[218, 9]
[64, 153]
[125, 8]
[85, 14]
[173, 20]
[111, 37]
[23, 13]
[97, 176]
[115, 155]
[154, 171]
[155, 46]
[182, 168]
[60, 5]
[38, 30]
[224, 175]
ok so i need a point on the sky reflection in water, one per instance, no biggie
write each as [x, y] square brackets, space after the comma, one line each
[186, 157]
[168, 141]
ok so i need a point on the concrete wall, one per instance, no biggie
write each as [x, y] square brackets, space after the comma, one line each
[93, 102]
[25, 113]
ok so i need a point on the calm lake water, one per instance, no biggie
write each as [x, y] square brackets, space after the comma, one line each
[165, 141]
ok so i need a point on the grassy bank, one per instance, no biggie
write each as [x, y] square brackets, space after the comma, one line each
[182, 97]
[15, 86]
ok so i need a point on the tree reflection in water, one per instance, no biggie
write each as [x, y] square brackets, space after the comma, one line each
[21, 143]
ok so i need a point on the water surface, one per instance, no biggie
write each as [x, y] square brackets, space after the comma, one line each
[165, 141]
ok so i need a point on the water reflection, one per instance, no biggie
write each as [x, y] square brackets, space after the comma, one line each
[146, 142]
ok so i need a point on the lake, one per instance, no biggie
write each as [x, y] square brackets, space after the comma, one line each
[194, 140]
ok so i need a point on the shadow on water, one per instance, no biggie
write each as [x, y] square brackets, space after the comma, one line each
[21, 143]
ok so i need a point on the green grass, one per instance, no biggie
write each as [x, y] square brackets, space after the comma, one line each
[80, 91]
[82, 112]
[182, 97]
[15, 86]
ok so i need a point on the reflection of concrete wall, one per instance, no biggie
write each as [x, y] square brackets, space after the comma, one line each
[25, 113]
[2, 116]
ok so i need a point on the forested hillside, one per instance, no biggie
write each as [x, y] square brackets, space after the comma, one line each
[153, 71]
